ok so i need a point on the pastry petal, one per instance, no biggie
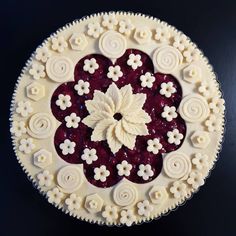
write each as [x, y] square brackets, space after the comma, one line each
[97, 106]
[112, 141]
[135, 129]
[137, 103]
[114, 93]
[95, 117]
[125, 138]
[138, 118]
[100, 130]
[127, 97]
[102, 97]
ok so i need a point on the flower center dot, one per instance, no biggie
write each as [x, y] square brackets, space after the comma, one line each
[117, 116]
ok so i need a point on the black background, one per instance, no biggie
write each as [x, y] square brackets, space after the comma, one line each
[211, 24]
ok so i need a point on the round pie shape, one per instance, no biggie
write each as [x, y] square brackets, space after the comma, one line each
[117, 118]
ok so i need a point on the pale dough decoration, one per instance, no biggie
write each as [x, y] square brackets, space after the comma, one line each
[40, 125]
[167, 59]
[213, 123]
[134, 61]
[37, 71]
[112, 44]
[59, 68]
[42, 158]
[45, 178]
[63, 101]
[73, 202]
[158, 195]
[143, 35]
[195, 179]
[162, 34]
[42, 54]
[93, 203]
[192, 74]
[174, 136]
[124, 168]
[94, 29]
[217, 105]
[194, 108]
[67, 147]
[89, 155]
[181, 42]
[78, 41]
[24, 108]
[69, 178]
[127, 217]
[167, 89]
[101, 173]
[200, 139]
[145, 171]
[117, 132]
[147, 80]
[169, 113]
[55, 196]
[109, 21]
[177, 165]
[125, 194]
[200, 161]
[59, 44]
[82, 87]
[114, 73]
[126, 27]
[191, 54]
[110, 213]
[206, 88]
[26, 145]
[18, 128]
[178, 189]
[154, 145]
[35, 91]
[72, 121]
[144, 208]
[90, 65]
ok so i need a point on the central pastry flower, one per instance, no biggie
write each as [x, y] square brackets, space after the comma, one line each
[117, 116]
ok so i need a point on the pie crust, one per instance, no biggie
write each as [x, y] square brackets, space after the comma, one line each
[117, 118]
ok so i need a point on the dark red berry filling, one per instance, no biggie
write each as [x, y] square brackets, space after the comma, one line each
[154, 105]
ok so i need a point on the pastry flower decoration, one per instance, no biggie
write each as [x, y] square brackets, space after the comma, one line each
[117, 116]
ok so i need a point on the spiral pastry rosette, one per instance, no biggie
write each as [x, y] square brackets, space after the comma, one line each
[112, 44]
[59, 68]
[167, 59]
[125, 194]
[40, 125]
[194, 108]
[177, 165]
[69, 178]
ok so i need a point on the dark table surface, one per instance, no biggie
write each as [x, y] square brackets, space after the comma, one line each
[211, 24]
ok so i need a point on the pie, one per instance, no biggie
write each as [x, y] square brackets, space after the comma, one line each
[117, 118]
